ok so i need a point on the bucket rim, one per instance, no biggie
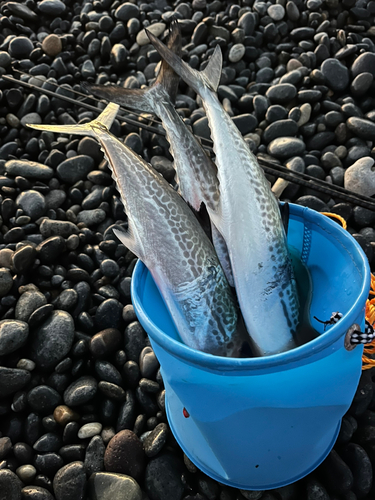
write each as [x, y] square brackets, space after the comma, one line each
[210, 362]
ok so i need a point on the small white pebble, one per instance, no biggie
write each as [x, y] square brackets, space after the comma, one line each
[26, 473]
[89, 430]
[26, 364]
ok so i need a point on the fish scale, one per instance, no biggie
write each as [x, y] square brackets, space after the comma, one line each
[248, 218]
[166, 236]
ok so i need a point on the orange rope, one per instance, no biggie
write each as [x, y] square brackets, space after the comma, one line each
[370, 310]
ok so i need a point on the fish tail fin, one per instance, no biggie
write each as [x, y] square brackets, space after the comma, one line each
[144, 99]
[209, 77]
[105, 119]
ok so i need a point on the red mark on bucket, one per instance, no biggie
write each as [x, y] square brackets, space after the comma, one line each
[186, 413]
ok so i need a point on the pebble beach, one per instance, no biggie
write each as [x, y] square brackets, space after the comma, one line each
[82, 400]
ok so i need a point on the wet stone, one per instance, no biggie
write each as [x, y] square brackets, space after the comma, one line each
[10, 485]
[361, 84]
[81, 391]
[6, 283]
[36, 493]
[49, 442]
[32, 203]
[111, 391]
[105, 342]
[163, 478]
[12, 380]
[112, 486]
[365, 129]
[89, 430]
[29, 169]
[13, 334]
[91, 217]
[281, 93]
[148, 362]
[43, 399]
[48, 463]
[135, 338]
[63, 415]
[23, 259]
[20, 47]
[5, 447]
[64, 229]
[109, 314]
[155, 441]
[360, 465]
[365, 63]
[336, 74]
[337, 475]
[50, 249]
[106, 371]
[124, 454]
[70, 481]
[126, 11]
[286, 147]
[281, 128]
[74, 169]
[94, 455]
[52, 340]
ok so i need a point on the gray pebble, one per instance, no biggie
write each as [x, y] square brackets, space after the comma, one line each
[29, 169]
[112, 486]
[89, 430]
[155, 441]
[10, 485]
[13, 334]
[75, 168]
[94, 456]
[28, 303]
[91, 217]
[148, 362]
[52, 340]
[286, 147]
[32, 203]
[360, 178]
[81, 391]
[12, 380]
[69, 482]
[6, 282]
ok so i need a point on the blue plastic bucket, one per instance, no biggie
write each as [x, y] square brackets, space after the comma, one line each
[262, 423]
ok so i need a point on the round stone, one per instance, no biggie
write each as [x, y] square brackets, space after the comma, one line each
[70, 481]
[236, 52]
[6, 283]
[156, 29]
[52, 45]
[52, 340]
[29, 169]
[364, 63]
[20, 47]
[29, 301]
[336, 74]
[52, 7]
[105, 342]
[360, 178]
[112, 486]
[43, 399]
[276, 12]
[126, 11]
[32, 203]
[63, 415]
[281, 93]
[26, 473]
[36, 493]
[365, 129]
[286, 147]
[13, 334]
[361, 83]
[89, 430]
[10, 485]
[124, 454]
[74, 169]
[81, 391]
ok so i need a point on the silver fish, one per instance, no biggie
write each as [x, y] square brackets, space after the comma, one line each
[165, 235]
[247, 215]
[196, 172]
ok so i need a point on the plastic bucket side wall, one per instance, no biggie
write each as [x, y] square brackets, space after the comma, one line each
[276, 411]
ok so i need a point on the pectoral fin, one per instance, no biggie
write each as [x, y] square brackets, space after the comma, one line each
[131, 240]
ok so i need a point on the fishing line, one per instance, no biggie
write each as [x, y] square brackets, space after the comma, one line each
[270, 167]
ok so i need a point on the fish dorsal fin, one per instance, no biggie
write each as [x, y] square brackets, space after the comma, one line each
[131, 240]
[144, 99]
[212, 72]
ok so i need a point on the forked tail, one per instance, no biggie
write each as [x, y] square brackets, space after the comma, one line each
[144, 99]
[105, 119]
[209, 77]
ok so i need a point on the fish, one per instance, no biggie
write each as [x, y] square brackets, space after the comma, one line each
[196, 172]
[247, 215]
[165, 235]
